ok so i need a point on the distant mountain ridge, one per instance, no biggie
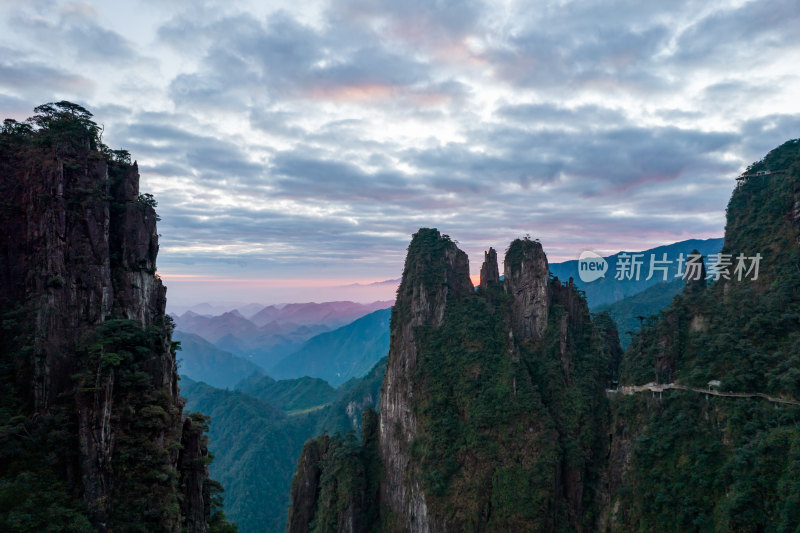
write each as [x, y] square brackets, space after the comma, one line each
[338, 355]
[631, 312]
[202, 361]
[275, 331]
[608, 290]
[331, 314]
[291, 395]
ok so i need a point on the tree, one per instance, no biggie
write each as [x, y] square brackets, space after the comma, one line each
[66, 124]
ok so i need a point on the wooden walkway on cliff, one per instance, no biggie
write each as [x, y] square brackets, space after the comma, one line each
[660, 387]
[744, 177]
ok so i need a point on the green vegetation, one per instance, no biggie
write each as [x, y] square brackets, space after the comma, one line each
[724, 464]
[34, 493]
[631, 312]
[350, 479]
[256, 448]
[427, 244]
[354, 398]
[65, 127]
[711, 464]
[291, 394]
[146, 496]
[336, 356]
[257, 434]
[494, 434]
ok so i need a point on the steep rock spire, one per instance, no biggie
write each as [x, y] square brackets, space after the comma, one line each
[527, 278]
[435, 272]
[490, 274]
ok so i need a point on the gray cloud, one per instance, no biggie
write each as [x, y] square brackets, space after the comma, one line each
[78, 34]
[32, 78]
[283, 144]
[246, 60]
[740, 35]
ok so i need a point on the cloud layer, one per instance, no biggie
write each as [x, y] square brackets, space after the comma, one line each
[309, 141]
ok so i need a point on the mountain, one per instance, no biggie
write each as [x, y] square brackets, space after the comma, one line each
[330, 314]
[293, 395]
[630, 312]
[336, 356]
[213, 328]
[262, 345]
[248, 310]
[202, 361]
[257, 433]
[93, 434]
[608, 289]
[685, 460]
[499, 410]
[488, 412]
[219, 308]
[275, 332]
[255, 447]
[354, 398]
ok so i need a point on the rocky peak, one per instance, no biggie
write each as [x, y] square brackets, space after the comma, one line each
[447, 379]
[80, 249]
[305, 486]
[490, 274]
[527, 277]
[435, 272]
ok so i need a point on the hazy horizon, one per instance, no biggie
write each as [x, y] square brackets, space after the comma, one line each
[181, 290]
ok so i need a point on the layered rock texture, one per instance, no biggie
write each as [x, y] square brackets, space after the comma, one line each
[88, 366]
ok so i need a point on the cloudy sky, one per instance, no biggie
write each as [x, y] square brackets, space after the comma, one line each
[296, 146]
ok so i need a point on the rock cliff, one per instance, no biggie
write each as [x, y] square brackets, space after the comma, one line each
[435, 271]
[527, 281]
[86, 341]
[475, 432]
[490, 274]
[687, 461]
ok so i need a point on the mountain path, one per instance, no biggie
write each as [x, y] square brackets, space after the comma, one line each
[660, 387]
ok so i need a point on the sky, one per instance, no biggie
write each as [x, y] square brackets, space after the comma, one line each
[295, 147]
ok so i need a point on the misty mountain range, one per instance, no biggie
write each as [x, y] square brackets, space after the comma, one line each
[334, 341]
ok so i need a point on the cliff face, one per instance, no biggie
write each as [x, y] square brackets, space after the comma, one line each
[305, 486]
[89, 344]
[336, 484]
[435, 271]
[489, 403]
[684, 460]
[490, 274]
[527, 281]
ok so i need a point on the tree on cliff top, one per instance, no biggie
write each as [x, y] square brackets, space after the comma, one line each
[66, 126]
